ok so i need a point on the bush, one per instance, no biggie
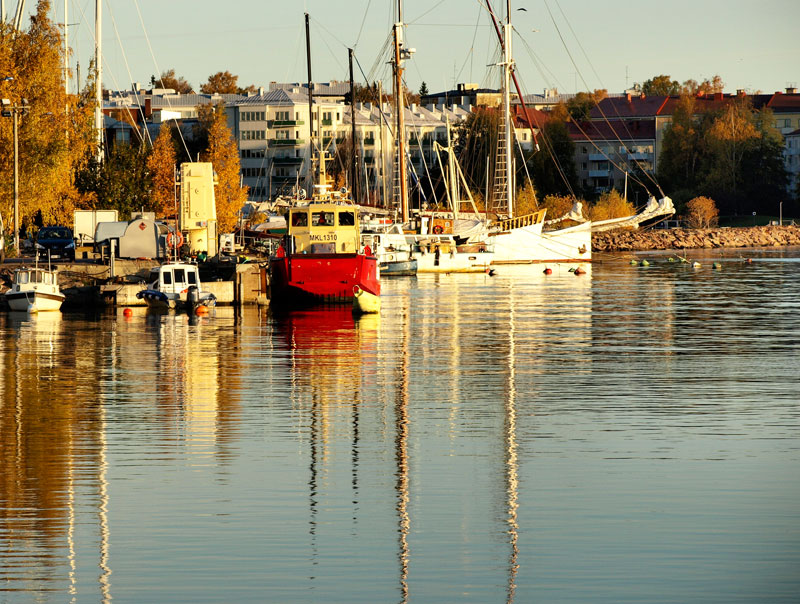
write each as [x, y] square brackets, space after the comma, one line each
[701, 213]
[611, 205]
[557, 206]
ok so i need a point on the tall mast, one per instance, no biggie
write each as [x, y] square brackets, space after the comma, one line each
[66, 49]
[353, 154]
[98, 85]
[310, 109]
[401, 126]
[507, 67]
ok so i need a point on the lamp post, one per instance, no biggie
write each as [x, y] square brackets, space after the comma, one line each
[14, 111]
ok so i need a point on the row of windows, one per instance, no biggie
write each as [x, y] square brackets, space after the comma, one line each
[300, 218]
[252, 116]
[256, 153]
[253, 172]
[253, 135]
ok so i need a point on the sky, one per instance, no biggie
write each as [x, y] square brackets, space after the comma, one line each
[568, 45]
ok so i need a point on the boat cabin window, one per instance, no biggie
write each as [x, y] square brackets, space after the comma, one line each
[347, 218]
[322, 218]
[167, 277]
[48, 278]
[299, 219]
[180, 275]
[191, 278]
[22, 278]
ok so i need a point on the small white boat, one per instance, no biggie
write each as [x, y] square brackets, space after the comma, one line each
[34, 289]
[176, 285]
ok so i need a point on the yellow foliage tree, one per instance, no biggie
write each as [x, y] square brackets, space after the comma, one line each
[701, 213]
[526, 202]
[557, 205]
[54, 131]
[611, 205]
[222, 82]
[161, 165]
[223, 154]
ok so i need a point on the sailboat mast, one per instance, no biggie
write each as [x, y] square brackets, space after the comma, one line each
[353, 155]
[98, 85]
[310, 109]
[507, 65]
[401, 127]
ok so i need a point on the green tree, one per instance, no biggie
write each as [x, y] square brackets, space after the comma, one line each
[223, 154]
[553, 167]
[119, 183]
[423, 89]
[661, 85]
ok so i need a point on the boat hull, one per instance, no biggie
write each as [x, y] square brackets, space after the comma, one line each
[34, 301]
[526, 245]
[399, 268]
[308, 279]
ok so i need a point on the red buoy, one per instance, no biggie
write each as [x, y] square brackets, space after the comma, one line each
[127, 312]
[548, 271]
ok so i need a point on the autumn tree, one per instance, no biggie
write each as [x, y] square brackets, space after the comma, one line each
[55, 131]
[222, 82]
[611, 205]
[168, 79]
[582, 103]
[121, 182]
[553, 166]
[693, 87]
[701, 213]
[223, 154]
[161, 165]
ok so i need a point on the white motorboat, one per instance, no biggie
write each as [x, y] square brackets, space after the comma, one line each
[35, 289]
[176, 285]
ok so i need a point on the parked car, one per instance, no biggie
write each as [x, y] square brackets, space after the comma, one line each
[57, 240]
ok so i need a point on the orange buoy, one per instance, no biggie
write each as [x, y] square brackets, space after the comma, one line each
[201, 310]
[127, 312]
[548, 271]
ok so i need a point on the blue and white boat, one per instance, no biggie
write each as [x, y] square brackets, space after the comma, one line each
[176, 285]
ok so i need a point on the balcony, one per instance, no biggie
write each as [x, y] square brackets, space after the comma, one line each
[287, 161]
[369, 142]
[599, 173]
[597, 157]
[284, 123]
[284, 178]
[639, 156]
[327, 122]
[285, 142]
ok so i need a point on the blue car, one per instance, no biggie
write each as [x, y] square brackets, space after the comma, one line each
[57, 240]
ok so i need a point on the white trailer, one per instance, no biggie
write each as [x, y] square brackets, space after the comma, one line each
[86, 223]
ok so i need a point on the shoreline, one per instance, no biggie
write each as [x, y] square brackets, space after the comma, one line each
[677, 239]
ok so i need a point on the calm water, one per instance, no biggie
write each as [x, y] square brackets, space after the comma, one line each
[628, 435]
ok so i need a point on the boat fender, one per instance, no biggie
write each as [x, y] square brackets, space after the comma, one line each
[548, 271]
[280, 252]
[367, 250]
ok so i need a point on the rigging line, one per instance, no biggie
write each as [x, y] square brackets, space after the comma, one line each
[152, 55]
[574, 64]
[438, 4]
[361, 29]
[130, 77]
[113, 77]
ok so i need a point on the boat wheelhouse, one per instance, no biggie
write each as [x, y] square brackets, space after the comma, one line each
[34, 289]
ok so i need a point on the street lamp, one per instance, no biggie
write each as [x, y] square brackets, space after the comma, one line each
[13, 111]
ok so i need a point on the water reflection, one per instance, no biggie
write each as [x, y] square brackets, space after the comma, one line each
[484, 438]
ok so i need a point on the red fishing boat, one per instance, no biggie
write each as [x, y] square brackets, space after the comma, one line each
[321, 260]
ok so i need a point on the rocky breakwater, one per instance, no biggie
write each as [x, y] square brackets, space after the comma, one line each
[677, 239]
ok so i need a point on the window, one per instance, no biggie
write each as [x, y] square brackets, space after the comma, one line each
[347, 218]
[322, 218]
[299, 219]
[282, 135]
[282, 116]
[167, 277]
[180, 275]
[252, 135]
[192, 278]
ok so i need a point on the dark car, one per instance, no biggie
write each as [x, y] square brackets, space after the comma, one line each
[57, 240]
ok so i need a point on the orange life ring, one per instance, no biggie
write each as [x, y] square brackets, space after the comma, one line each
[438, 230]
[175, 239]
